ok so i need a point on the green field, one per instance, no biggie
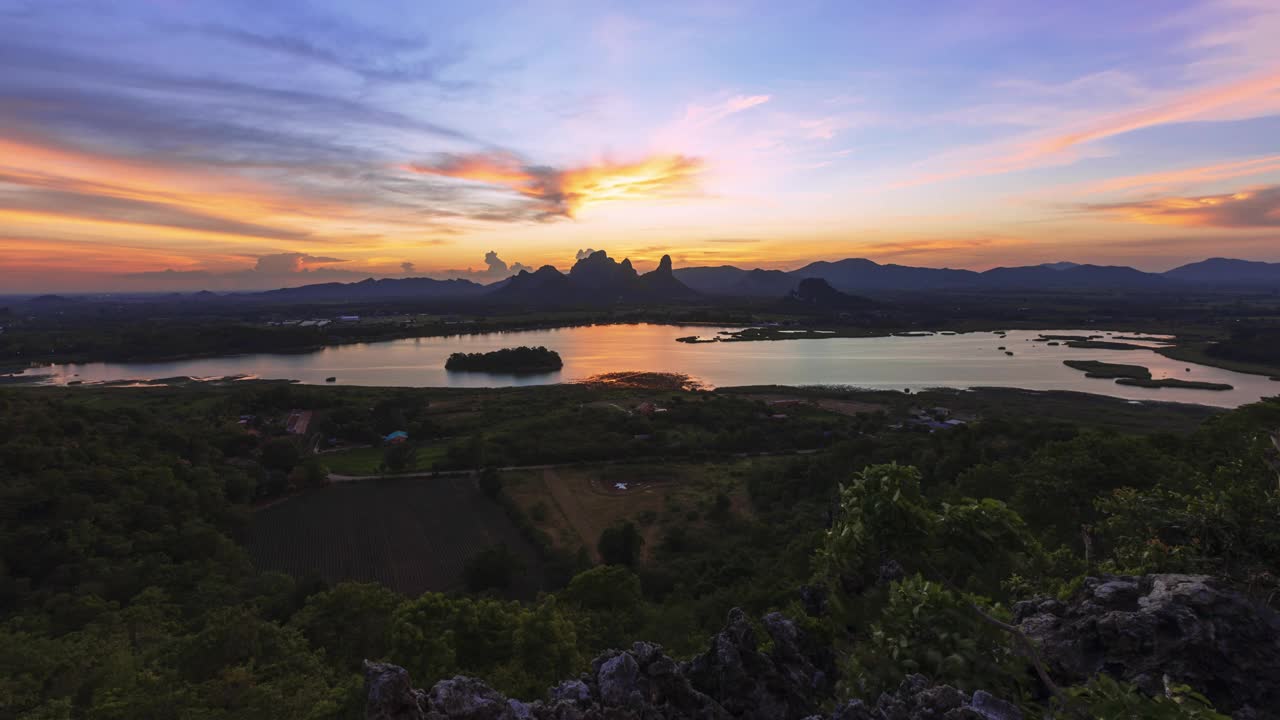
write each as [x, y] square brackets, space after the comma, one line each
[368, 461]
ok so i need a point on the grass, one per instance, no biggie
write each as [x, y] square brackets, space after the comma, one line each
[367, 461]
[574, 505]
[1195, 353]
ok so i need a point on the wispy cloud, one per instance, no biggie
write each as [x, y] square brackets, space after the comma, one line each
[1251, 97]
[1170, 180]
[1255, 96]
[701, 116]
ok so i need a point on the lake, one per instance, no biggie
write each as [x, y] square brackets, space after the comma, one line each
[918, 362]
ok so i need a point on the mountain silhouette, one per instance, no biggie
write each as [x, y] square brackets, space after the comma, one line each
[384, 289]
[598, 279]
[595, 280]
[1225, 271]
[859, 275]
[818, 294]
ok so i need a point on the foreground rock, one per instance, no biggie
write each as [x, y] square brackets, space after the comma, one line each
[733, 679]
[1140, 629]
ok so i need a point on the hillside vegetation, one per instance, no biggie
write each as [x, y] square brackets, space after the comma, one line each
[124, 591]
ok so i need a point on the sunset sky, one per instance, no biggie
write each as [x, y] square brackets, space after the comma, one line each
[189, 144]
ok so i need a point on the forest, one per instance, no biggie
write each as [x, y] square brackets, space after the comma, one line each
[126, 590]
[521, 359]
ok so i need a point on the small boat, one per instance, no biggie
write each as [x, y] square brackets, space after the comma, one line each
[331, 379]
[1009, 353]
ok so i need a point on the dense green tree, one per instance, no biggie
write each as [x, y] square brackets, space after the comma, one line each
[422, 638]
[546, 644]
[607, 603]
[925, 628]
[280, 454]
[621, 545]
[399, 457]
[493, 568]
[490, 483]
[350, 623]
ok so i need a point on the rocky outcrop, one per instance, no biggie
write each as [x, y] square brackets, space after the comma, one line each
[733, 679]
[917, 699]
[1141, 629]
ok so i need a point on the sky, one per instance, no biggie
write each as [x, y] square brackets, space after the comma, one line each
[167, 145]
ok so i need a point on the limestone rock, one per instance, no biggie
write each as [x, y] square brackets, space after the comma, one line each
[1139, 629]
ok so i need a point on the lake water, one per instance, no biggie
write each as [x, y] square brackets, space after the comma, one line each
[959, 361]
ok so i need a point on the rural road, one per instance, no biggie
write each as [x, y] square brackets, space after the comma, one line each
[335, 478]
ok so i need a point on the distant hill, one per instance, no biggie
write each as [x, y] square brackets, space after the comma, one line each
[1063, 276]
[860, 276]
[1225, 271]
[545, 286]
[817, 294]
[370, 289]
[600, 279]
[595, 279]
[718, 280]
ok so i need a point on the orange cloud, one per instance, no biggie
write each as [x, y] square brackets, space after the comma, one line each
[49, 255]
[563, 192]
[1259, 208]
[44, 184]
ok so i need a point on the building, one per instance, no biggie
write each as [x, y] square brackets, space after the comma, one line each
[397, 437]
[298, 422]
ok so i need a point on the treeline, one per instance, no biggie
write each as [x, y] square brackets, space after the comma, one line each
[521, 359]
[93, 331]
[1250, 344]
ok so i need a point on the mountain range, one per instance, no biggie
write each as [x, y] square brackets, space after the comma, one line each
[600, 279]
[860, 275]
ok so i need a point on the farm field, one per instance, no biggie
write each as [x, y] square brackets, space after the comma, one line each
[575, 505]
[413, 536]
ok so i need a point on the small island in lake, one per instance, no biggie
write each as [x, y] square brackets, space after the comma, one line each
[507, 360]
[1108, 371]
[1175, 383]
[1137, 375]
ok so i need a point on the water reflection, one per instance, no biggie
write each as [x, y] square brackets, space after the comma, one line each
[960, 360]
